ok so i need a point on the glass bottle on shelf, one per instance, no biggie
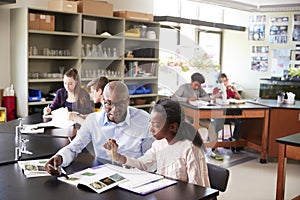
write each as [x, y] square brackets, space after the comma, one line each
[115, 53]
[100, 51]
[82, 50]
[104, 52]
[88, 50]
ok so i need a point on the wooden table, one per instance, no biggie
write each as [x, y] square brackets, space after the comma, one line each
[289, 147]
[254, 130]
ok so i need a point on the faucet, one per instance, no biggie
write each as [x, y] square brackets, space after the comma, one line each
[20, 143]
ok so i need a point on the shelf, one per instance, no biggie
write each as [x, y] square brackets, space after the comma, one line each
[39, 103]
[53, 33]
[142, 95]
[40, 80]
[100, 58]
[110, 78]
[142, 59]
[54, 57]
[69, 36]
[141, 78]
[101, 36]
[141, 39]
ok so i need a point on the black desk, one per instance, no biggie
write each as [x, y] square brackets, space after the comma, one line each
[289, 147]
[41, 147]
[14, 185]
[9, 127]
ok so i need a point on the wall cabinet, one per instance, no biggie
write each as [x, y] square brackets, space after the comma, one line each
[95, 45]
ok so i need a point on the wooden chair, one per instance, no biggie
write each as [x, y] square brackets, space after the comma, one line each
[218, 177]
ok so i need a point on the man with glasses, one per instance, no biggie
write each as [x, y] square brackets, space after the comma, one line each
[117, 120]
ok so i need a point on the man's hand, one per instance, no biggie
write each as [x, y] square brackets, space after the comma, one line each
[52, 166]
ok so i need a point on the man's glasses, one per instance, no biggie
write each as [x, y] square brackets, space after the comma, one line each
[109, 104]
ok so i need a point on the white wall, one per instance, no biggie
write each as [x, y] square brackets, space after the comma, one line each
[237, 51]
[4, 48]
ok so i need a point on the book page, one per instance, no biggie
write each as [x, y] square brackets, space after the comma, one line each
[34, 168]
[97, 179]
[104, 177]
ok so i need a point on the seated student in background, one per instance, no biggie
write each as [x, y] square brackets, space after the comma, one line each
[178, 151]
[191, 92]
[233, 93]
[72, 96]
[116, 120]
[96, 87]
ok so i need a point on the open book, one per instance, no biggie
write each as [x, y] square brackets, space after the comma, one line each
[106, 176]
[34, 168]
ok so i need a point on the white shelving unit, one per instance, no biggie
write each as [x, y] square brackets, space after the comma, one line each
[83, 52]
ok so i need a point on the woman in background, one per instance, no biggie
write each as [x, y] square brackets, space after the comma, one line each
[72, 96]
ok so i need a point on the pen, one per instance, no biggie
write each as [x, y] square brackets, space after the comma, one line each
[60, 170]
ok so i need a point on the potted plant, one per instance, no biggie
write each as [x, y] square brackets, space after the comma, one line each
[294, 73]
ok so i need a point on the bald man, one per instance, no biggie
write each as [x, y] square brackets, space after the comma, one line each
[117, 120]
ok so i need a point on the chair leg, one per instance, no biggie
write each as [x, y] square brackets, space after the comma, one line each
[223, 134]
[231, 135]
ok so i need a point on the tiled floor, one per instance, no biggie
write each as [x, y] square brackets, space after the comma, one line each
[249, 179]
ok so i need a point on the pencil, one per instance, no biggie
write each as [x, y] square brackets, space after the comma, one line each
[112, 155]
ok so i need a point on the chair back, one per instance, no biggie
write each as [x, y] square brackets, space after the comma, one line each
[218, 177]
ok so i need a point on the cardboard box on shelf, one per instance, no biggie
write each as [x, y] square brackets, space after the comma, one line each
[47, 22]
[66, 6]
[133, 15]
[90, 26]
[33, 21]
[101, 8]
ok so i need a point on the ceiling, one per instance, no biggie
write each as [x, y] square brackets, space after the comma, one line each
[257, 5]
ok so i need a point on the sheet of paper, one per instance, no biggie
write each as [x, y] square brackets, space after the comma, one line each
[60, 119]
[199, 103]
[31, 129]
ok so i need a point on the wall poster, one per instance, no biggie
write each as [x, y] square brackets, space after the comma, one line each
[280, 62]
[259, 57]
[278, 30]
[296, 28]
[257, 26]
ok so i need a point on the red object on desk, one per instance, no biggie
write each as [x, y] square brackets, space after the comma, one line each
[10, 103]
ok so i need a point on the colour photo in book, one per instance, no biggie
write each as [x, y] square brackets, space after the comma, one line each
[33, 168]
[98, 180]
[104, 177]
